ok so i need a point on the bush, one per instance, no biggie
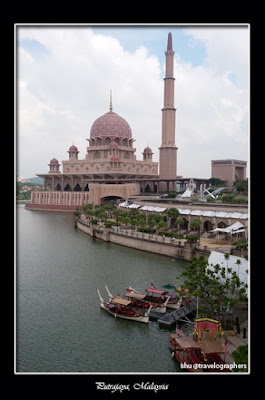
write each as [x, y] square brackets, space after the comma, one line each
[172, 194]
[108, 224]
[146, 230]
[192, 238]
[94, 221]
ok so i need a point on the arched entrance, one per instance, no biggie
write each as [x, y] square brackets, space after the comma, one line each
[222, 225]
[207, 226]
[147, 189]
[106, 199]
[67, 188]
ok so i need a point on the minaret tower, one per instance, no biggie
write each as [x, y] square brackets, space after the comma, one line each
[168, 149]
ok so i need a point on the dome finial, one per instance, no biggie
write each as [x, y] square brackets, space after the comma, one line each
[110, 103]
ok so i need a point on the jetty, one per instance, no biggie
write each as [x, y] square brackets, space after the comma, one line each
[175, 316]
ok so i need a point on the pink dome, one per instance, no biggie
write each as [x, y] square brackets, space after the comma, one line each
[54, 161]
[73, 148]
[111, 124]
[115, 158]
[147, 150]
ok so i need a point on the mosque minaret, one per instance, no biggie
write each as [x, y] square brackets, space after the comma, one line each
[168, 149]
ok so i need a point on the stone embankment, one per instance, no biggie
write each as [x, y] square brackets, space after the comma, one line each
[179, 248]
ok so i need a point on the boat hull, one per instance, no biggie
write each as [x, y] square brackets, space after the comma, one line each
[140, 318]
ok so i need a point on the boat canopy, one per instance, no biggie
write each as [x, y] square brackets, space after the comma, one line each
[169, 286]
[135, 296]
[119, 300]
[210, 347]
[155, 291]
[187, 343]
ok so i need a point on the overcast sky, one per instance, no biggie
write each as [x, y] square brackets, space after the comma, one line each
[64, 77]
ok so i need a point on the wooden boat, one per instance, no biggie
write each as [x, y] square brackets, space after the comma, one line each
[187, 351]
[173, 302]
[203, 348]
[209, 335]
[137, 302]
[153, 297]
[118, 307]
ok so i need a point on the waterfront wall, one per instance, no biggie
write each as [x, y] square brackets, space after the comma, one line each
[156, 244]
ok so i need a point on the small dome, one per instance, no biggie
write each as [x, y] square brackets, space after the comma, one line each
[73, 148]
[54, 161]
[147, 150]
[115, 158]
[113, 145]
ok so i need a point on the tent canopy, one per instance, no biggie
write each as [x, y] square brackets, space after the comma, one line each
[237, 227]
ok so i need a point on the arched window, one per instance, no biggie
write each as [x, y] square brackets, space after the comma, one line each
[77, 188]
[99, 141]
[126, 155]
[58, 187]
[67, 188]
[117, 140]
[96, 155]
[107, 141]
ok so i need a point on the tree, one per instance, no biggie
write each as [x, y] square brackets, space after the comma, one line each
[241, 185]
[161, 224]
[216, 182]
[216, 290]
[241, 357]
[173, 212]
[196, 225]
[179, 223]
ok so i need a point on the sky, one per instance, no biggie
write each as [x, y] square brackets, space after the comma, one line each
[65, 74]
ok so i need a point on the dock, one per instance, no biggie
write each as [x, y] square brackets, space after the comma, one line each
[175, 316]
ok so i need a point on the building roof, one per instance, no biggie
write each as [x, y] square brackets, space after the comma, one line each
[73, 148]
[54, 161]
[148, 150]
[111, 125]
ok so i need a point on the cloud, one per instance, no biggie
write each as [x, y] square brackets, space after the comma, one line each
[64, 79]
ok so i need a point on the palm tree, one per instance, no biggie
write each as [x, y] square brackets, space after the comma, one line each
[179, 222]
[196, 225]
[173, 213]
[127, 220]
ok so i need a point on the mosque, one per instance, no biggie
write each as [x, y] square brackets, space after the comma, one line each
[110, 168]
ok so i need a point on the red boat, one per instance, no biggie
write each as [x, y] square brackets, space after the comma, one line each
[201, 353]
[187, 351]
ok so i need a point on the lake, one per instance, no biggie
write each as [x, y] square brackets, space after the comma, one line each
[59, 324]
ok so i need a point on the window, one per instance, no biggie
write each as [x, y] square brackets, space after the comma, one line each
[96, 155]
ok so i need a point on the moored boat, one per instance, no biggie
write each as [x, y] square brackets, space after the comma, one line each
[154, 297]
[200, 353]
[118, 307]
[187, 352]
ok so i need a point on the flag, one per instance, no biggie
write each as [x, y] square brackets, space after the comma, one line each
[180, 332]
[227, 344]
[129, 290]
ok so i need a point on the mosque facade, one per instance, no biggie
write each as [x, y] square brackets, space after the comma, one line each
[110, 168]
